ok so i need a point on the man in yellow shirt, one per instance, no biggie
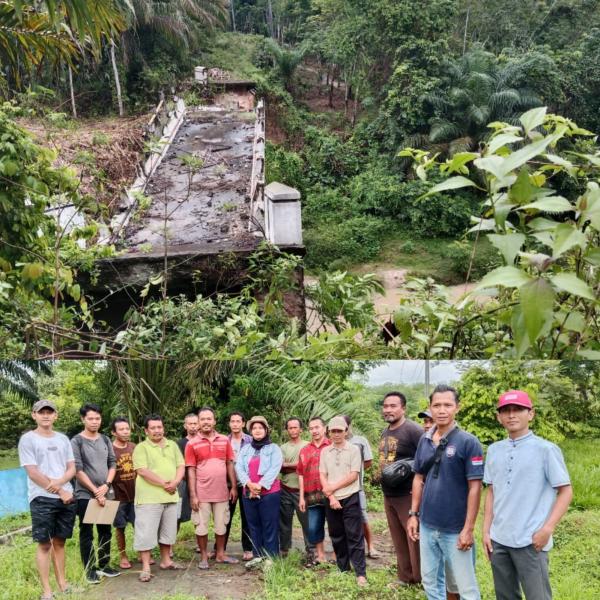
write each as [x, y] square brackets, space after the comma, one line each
[160, 468]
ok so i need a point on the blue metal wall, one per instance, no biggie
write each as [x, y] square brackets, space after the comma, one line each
[13, 492]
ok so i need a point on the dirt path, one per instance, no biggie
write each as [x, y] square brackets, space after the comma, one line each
[220, 582]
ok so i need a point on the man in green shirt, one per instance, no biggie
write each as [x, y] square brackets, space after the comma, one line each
[160, 468]
[290, 489]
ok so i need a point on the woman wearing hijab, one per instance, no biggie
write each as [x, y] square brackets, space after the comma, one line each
[257, 467]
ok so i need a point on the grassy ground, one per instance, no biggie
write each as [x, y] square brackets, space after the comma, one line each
[9, 459]
[574, 561]
[233, 52]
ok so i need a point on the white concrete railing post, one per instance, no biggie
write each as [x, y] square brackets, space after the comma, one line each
[283, 215]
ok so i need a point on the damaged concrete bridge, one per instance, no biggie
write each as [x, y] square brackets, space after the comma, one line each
[199, 206]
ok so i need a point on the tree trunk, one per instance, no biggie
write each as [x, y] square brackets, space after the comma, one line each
[331, 82]
[270, 18]
[73, 105]
[346, 94]
[113, 60]
[466, 29]
[231, 4]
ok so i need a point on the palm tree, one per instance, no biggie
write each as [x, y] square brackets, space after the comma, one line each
[478, 91]
[17, 378]
[286, 61]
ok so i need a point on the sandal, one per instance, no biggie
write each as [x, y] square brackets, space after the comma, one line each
[172, 567]
[145, 576]
[228, 560]
[203, 564]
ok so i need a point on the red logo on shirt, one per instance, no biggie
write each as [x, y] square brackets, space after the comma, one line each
[477, 461]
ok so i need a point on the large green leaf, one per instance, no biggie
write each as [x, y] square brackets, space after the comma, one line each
[453, 183]
[502, 140]
[537, 301]
[533, 118]
[520, 157]
[593, 257]
[523, 190]
[566, 236]
[551, 204]
[589, 205]
[569, 282]
[504, 276]
[508, 244]
[519, 331]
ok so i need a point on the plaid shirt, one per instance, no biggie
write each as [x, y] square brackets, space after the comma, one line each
[308, 465]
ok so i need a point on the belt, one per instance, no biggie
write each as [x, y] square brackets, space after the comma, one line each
[289, 489]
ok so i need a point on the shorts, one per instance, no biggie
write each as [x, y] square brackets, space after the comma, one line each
[51, 518]
[220, 513]
[155, 524]
[362, 498]
[125, 514]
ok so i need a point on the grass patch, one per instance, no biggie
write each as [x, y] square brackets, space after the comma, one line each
[9, 459]
[14, 522]
[233, 52]
[583, 461]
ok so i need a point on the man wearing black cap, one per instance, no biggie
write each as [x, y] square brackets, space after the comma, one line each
[47, 457]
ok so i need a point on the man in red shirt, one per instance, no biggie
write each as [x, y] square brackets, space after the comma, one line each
[311, 494]
[209, 461]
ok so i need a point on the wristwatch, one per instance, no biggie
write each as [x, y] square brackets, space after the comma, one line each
[414, 513]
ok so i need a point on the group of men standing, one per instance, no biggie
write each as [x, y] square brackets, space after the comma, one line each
[432, 513]
[431, 481]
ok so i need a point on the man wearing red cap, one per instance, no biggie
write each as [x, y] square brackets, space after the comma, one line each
[529, 492]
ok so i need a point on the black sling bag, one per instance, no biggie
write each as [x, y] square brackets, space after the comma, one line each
[436, 459]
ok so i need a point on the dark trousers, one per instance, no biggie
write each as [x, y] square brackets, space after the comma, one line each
[516, 568]
[289, 506]
[347, 535]
[246, 542]
[263, 521]
[86, 541]
[407, 552]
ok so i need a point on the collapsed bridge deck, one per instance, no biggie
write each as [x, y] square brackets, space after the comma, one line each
[200, 191]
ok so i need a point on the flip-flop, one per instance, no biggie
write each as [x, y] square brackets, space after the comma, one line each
[122, 565]
[203, 564]
[228, 560]
[145, 576]
[172, 567]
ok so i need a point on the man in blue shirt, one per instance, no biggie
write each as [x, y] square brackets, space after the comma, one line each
[529, 492]
[445, 499]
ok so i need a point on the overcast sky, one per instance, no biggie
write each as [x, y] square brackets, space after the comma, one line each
[413, 371]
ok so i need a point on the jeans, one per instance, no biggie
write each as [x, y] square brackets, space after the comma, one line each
[86, 541]
[438, 549]
[289, 505]
[262, 515]
[316, 524]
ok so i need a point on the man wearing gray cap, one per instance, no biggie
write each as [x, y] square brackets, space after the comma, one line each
[47, 457]
[339, 467]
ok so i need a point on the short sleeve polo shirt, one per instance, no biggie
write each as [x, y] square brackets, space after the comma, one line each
[209, 456]
[524, 473]
[444, 500]
[308, 465]
[162, 461]
[337, 463]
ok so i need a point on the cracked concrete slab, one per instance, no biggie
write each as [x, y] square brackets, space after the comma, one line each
[200, 191]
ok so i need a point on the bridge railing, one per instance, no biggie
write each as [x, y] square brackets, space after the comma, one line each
[257, 178]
